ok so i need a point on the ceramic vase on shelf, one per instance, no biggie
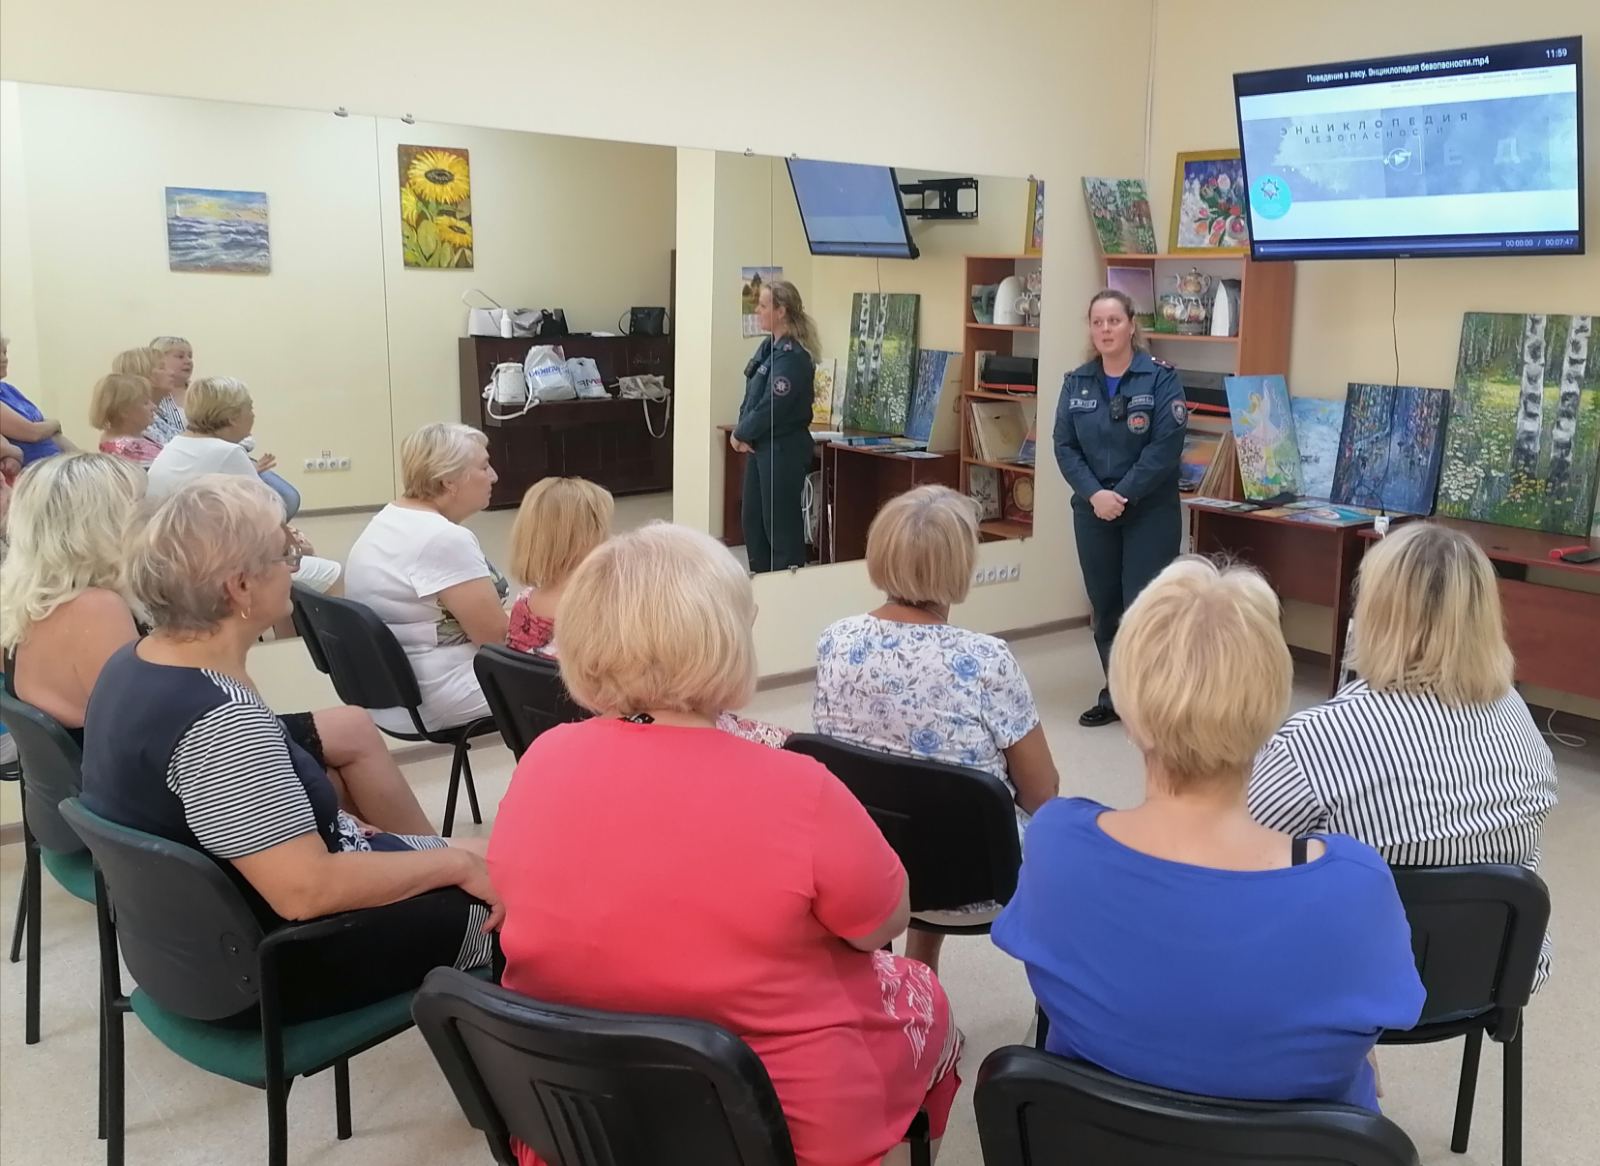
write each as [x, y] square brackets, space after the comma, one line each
[1194, 287]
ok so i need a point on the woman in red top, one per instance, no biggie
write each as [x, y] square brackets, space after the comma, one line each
[651, 863]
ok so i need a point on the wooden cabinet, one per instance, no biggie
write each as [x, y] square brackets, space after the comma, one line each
[609, 442]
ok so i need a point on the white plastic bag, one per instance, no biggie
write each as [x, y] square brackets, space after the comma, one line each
[586, 379]
[546, 368]
[506, 394]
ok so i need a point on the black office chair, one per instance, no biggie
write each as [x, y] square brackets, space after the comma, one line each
[199, 956]
[369, 669]
[1035, 1109]
[1476, 932]
[52, 770]
[525, 694]
[955, 829]
[587, 1088]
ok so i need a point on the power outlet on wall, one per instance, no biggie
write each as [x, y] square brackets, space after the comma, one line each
[1002, 573]
[325, 461]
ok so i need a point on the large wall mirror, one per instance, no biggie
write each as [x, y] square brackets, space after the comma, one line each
[922, 294]
[333, 262]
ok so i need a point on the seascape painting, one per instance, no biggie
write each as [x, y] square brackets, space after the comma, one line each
[1317, 425]
[1263, 434]
[1391, 447]
[1119, 209]
[1524, 433]
[881, 361]
[217, 230]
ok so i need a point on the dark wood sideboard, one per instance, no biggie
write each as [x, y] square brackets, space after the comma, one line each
[605, 441]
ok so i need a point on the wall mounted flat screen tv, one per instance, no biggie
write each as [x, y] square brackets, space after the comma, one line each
[1458, 152]
[848, 209]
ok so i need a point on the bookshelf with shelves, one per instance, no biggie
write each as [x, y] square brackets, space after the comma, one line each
[1014, 480]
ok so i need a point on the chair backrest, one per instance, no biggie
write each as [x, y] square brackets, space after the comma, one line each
[1476, 933]
[186, 934]
[955, 829]
[1035, 1109]
[52, 771]
[587, 1088]
[525, 694]
[359, 653]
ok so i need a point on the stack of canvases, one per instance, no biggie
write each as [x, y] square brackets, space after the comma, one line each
[1517, 443]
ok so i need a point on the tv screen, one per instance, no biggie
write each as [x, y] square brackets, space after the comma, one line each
[1460, 152]
[849, 209]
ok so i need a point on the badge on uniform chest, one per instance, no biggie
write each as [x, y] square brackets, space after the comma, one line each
[1083, 402]
[1138, 422]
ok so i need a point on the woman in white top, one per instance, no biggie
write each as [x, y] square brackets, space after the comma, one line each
[1429, 755]
[426, 577]
[903, 679]
[219, 415]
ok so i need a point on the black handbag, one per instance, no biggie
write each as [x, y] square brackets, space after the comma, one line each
[551, 322]
[646, 322]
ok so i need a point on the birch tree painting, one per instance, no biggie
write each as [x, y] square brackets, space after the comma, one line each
[880, 365]
[1524, 434]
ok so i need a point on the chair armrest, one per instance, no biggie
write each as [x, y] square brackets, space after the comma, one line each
[332, 924]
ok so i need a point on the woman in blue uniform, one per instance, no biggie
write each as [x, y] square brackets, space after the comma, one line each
[1120, 425]
[775, 430]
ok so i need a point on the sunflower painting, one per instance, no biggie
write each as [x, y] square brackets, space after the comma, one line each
[435, 207]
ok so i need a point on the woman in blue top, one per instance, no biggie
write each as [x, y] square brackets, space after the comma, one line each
[1179, 943]
[22, 423]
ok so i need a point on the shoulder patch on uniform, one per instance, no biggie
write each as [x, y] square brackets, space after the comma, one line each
[1180, 412]
[1163, 363]
[780, 387]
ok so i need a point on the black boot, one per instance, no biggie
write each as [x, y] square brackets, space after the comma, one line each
[1097, 715]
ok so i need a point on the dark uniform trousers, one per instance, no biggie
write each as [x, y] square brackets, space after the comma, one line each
[772, 514]
[1130, 442]
[1120, 557]
[774, 420]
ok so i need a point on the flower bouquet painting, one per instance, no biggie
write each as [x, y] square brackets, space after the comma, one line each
[435, 207]
[1209, 209]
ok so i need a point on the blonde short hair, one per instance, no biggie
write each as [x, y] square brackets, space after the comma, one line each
[114, 395]
[68, 529]
[922, 546]
[166, 344]
[137, 362]
[1428, 618]
[214, 403]
[559, 522]
[1199, 670]
[214, 528]
[434, 455]
[658, 618]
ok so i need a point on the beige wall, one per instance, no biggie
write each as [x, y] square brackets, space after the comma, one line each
[1342, 309]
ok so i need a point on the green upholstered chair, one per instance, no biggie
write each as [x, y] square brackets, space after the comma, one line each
[52, 770]
[199, 956]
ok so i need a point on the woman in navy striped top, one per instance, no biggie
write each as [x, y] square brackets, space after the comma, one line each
[1429, 756]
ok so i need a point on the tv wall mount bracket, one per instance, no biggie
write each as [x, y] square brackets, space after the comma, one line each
[940, 199]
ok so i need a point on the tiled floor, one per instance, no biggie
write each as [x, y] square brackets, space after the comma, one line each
[404, 1112]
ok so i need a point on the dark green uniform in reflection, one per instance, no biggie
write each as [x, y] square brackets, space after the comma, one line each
[1131, 446]
[775, 419]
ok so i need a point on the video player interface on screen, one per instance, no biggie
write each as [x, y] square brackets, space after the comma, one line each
[1473, 151]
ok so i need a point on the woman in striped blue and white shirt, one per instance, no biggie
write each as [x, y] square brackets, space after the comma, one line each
[1429, 755]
